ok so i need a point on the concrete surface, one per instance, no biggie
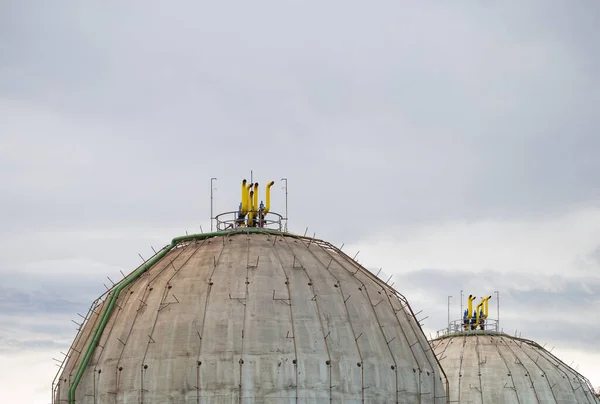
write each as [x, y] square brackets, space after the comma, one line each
[258, 318]
[490, 368]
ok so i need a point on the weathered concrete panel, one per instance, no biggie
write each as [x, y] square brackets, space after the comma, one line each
[495, 368]
[257, 318]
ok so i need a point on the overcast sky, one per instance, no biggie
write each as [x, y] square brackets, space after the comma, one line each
[454, 144]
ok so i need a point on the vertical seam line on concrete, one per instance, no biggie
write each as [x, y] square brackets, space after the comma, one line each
[386, 340]
[512, 379]
[543, 373]
[477, 351]
[407, 342]
[347, 315]
[523, 366]
[312, 288]
[366, 291]
[201, 334]
[165, 293]
[462, 353]
[287, 279]
[362, 368]
[439, 362]
[149, 286]
[158, 310]
[110, 330]
[241, 398]
[140, 305]
[419, 339]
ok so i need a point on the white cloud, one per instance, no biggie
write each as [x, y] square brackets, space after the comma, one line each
[551, 245]
[457, 139]
[26, 377]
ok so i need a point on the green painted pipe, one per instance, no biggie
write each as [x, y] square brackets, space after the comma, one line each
[108, 308]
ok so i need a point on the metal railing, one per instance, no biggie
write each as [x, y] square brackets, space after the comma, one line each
[232, 221]
[466, 327]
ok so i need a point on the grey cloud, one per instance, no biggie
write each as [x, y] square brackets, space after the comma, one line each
[19, 302]
[477, 121]
[13, 345]
[543, 308]
[383, 119]
[595, 255]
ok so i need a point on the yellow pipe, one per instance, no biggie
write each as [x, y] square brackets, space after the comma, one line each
[251, 214]
[485, 307]
[255, 204]
[244, 199]
[477, 311]
[268, 196]
[248, 200]
[470, 307]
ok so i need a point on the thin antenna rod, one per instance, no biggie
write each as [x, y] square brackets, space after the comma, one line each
[449, 298]
[211, 203]
[497, 309]
[286, 201]
[461, 303]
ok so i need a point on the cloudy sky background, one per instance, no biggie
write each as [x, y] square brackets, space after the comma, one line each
[453, 144]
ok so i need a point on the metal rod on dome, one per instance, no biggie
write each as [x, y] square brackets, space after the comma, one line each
[449, 298]
[286, 200]
[497, 310]
[461, 303]
[211, 203]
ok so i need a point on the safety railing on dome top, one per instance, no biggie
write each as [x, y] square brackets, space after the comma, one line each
[234, 221]
[465, 327]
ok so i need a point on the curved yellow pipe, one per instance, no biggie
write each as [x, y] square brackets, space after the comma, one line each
[477, 311]
[244, 199]
[268, 196]
[470, 307]
[251, 214]
[255, 201]
[485, 307]
[248, 200]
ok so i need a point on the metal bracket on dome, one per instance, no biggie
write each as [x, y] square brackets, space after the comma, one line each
[250, 266]
[164, 305]
[286, 301]
[242, 300]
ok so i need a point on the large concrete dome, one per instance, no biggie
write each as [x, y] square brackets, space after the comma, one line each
[251, 316]
[489, 368]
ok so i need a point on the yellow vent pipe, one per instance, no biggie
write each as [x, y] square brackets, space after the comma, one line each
[268, 197]
[255, 201]
[251, 214]
[244, 209]
[485, 307]
[478, 310]
[249, 203]
[470, 307]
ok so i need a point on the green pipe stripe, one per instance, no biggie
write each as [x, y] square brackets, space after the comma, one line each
[106, 313]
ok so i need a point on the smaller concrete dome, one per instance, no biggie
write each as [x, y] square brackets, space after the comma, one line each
[489, 367]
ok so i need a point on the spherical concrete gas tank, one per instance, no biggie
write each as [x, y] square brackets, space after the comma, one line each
[251, 316]
[495, 368]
